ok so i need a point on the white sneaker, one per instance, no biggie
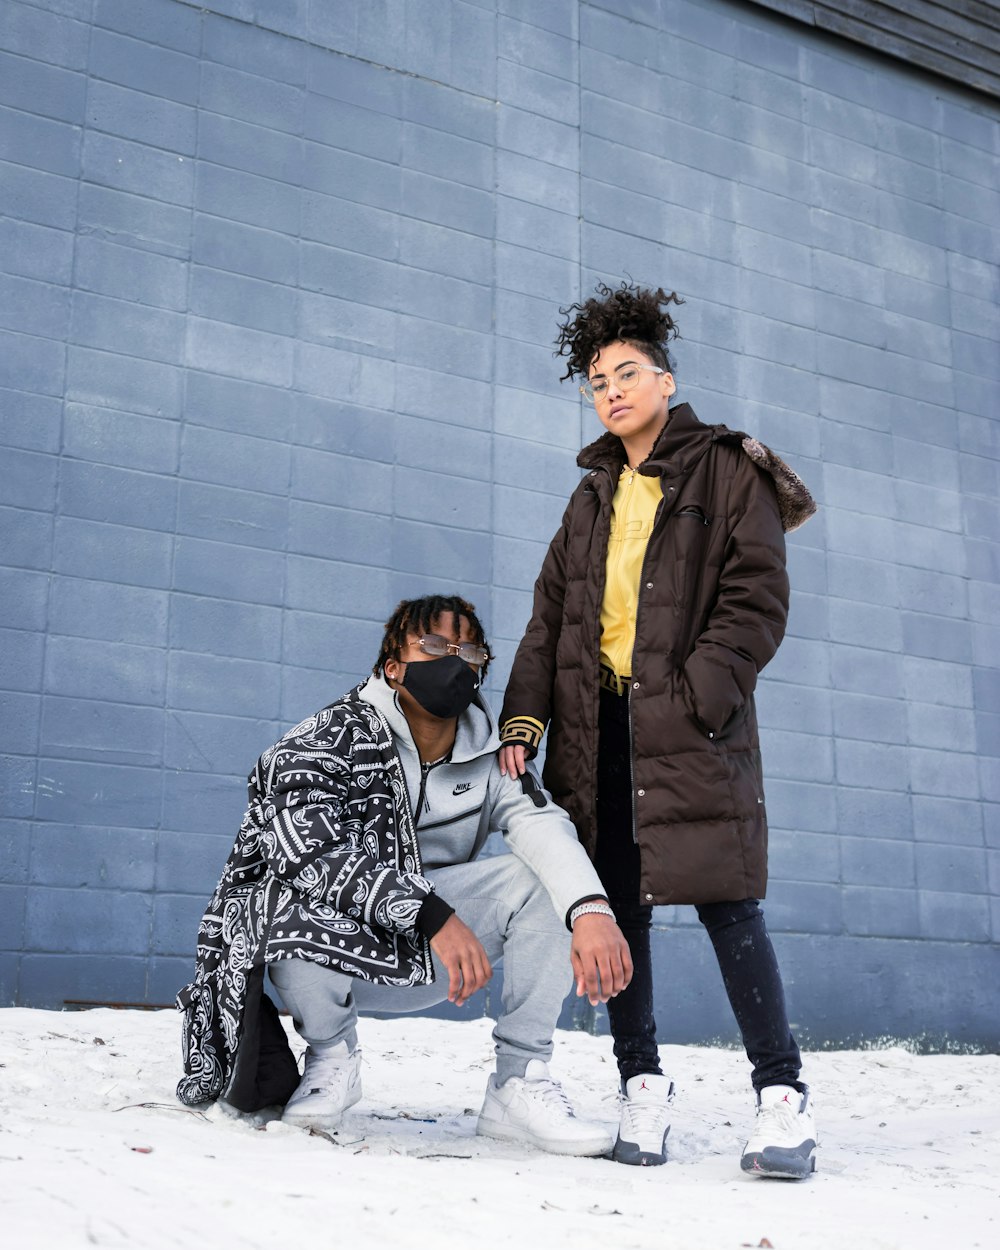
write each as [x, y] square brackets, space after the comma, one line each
[645, 1120]
[534, 1109]
[783, 1142]
[331, 1082]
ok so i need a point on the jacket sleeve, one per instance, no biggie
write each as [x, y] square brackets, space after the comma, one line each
[308, 841]
[527, 703]
[747, 621]
[543, 837]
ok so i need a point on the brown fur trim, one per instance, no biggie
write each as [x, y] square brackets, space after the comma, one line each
[795, 504]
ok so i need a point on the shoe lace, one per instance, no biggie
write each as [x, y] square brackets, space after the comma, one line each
[779, 1115]
[551, 1094]
[644, 1115]
[327, 1072]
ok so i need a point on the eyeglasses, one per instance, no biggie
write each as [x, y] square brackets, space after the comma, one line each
[626, 377]
[470, 652]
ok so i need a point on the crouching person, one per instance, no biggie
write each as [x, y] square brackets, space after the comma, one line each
[356, 882]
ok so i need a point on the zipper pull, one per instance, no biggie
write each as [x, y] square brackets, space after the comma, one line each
[425, 769]
[529, 786]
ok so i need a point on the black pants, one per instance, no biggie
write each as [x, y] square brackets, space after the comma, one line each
[742, 945]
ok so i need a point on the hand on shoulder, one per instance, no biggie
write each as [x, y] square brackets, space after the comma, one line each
[513, 760]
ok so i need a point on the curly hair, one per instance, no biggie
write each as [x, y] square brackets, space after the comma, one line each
[630, 314]
[417, 616]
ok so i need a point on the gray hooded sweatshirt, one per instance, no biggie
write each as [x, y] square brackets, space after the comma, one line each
[459, 801]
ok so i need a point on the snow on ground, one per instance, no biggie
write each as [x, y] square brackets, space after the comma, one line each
[96, 1151]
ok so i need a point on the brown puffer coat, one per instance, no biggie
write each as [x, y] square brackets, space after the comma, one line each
[713, 602]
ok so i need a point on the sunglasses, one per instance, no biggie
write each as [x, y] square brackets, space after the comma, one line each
[471, 652]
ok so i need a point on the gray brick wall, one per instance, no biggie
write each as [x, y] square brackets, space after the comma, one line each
[278, 286]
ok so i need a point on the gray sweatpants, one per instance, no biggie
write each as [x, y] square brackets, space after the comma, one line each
[508, 909]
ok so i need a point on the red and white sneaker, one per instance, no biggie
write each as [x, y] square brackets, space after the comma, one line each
[645, 1120]
[783, 1141]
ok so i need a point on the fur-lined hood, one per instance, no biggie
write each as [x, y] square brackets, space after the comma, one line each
[682, 443]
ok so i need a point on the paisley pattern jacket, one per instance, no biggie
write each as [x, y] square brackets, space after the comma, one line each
[326, 867]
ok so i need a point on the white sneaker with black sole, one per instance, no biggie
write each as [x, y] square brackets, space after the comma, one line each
[783, 1141]
[645, 1120]
[331, 1082]
[533, 1109]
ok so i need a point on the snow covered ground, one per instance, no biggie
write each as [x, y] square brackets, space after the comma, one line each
[95, 1151]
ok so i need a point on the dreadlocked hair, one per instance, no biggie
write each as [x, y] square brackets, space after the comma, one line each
[629, 314]
[417, 616]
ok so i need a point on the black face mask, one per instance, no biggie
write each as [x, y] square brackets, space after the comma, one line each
[444, 687]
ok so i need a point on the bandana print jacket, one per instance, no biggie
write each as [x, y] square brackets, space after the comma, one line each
[326, 867]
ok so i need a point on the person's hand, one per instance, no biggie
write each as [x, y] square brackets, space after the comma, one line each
[602, 961]
[512, 761]
[463, 955]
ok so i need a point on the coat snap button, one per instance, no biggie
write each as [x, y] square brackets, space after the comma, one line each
[635, 685]
[649, 585]
[711, 735]
[649, 898]
[641, 793]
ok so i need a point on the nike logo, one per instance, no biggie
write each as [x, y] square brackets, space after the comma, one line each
[462, 787]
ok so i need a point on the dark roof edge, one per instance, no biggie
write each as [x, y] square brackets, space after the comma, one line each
[958, 40]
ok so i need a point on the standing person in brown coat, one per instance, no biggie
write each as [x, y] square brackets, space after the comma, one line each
[662, 596]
